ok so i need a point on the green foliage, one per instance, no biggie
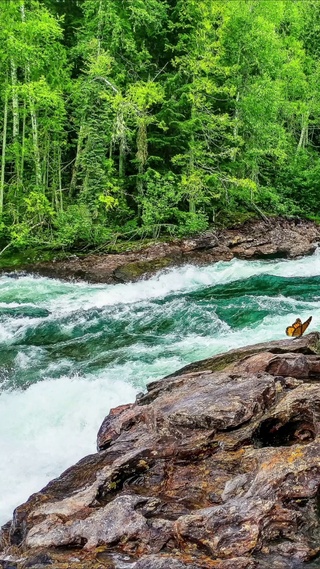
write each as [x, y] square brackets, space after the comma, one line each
[73, 226]
[159, 201]
[191, 223]
[142, 118]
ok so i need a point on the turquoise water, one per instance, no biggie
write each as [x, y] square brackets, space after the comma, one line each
[71, 351]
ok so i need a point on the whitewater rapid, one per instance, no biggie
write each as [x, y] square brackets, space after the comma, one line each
[71, 351]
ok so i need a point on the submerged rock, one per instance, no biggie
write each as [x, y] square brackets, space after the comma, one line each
[216, 466]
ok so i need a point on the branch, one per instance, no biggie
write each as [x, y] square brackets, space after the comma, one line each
[6, 247]
[12, 242]
[99, 78]
[159, 72]
[264, 217]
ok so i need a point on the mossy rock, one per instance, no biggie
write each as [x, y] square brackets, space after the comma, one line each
[134, 271]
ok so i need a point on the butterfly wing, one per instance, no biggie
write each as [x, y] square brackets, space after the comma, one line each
[305, 325]
[289, 330]
[297, 328]
[294, 330]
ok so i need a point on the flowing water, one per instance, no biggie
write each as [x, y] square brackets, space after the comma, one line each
[71, 351]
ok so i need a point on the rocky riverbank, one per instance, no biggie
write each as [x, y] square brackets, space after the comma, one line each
[274, 238]
[214, 467]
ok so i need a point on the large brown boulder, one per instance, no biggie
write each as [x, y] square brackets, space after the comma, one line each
[216, 466]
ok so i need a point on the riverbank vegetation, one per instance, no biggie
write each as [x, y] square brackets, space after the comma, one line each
[130, 118]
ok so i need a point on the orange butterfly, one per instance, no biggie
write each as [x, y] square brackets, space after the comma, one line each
[297, 328]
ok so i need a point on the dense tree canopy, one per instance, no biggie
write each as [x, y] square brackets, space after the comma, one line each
[122, 118]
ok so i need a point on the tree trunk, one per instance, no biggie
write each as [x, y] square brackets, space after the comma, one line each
[3, 155]
[192, 205]
[304, 134]
[121, 136]
[142, 155]
[73, 183]
[57, 198]
[23, 135]
[121, 158]
[236, 120]
[15, 119]
[35, 139]
[45, 161]
[99, 28]
[34, 120]
[59, 178]
[15, 102]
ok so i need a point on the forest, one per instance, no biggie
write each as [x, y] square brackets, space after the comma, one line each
[130, 119]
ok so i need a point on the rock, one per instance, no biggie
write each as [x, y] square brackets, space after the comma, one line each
[276, 238]
[167, 562]
[119, 520]
[308, 345]
[134, 271]
[236, 528]
[40, 559]
[216, 466]
[7, 564]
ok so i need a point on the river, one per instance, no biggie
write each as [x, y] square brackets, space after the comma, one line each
[71, 351]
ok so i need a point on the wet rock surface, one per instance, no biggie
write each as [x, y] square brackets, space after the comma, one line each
[216, 466]
[275, 238]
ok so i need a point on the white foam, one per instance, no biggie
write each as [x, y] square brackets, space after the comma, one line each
[48, 427]
[61, 298]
